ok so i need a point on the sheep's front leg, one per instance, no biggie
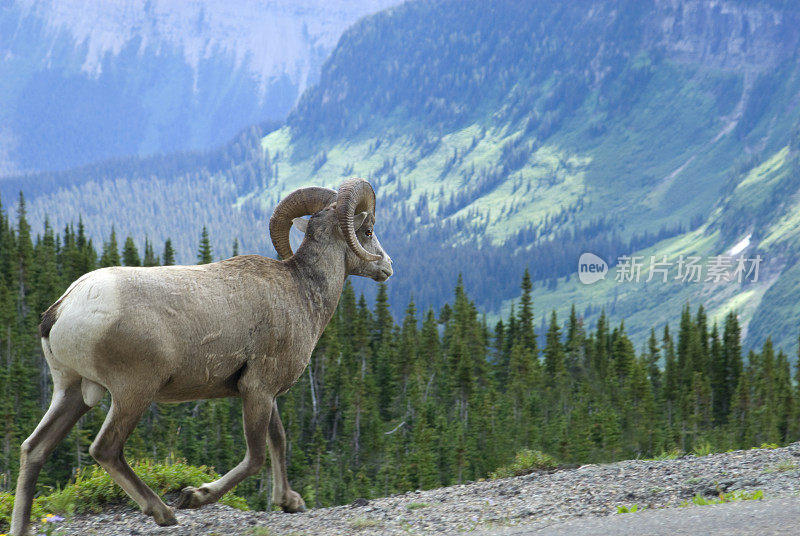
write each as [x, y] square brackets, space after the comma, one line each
[282, 494]
[256, 411]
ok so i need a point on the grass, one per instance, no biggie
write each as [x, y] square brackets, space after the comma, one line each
[93, 489]
[668, 455]
[704, 449]
[361, 523]
[782, 466]
[7, 505]
[416, 505]
[259, 531]
[733, 496]
[629, 509]
[525, 462]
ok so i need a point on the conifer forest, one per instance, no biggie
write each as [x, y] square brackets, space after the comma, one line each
[430, 399]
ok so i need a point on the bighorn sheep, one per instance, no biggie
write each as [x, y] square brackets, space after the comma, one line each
[243, 327]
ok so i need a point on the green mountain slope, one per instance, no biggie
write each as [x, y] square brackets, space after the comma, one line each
[576, 117]
[526, 133]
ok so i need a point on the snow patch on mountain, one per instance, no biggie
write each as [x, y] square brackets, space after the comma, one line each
[268, 39]
[740, 246]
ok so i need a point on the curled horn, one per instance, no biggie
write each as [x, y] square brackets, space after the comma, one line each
[301, 202]
[355, 195]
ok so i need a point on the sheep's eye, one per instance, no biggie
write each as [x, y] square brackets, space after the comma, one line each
[368, 232]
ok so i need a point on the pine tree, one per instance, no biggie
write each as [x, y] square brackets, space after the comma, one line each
[702, 332]
[765, 403]
[647, 436]
[653, 369]
[554, 365]
[526, 315]
[47, 283]
[784, 398]
[671, 395]
[384, 352]
[794, 428]
[466, 351]
[110, 255]
[623, 356]
[511, 334]
[498, 355]
[150, 258]
[24, 254]
[408, 370]
[82, 257]
[524, 379]
[425, 474]
[130, 255]
[169, 254]
[740, 418]
[602, 348]
[691, 387]
[574, 346]
[235, 248]
[699, 402]
[65, 252]
[720, 390]
[430, 353]
[732, 358]
[204, 249]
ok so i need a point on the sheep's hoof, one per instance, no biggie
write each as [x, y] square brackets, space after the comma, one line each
[192, 497]
[166, 518]
[294, 503]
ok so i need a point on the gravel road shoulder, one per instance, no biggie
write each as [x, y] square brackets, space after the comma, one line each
[499, 505]
[770, 517]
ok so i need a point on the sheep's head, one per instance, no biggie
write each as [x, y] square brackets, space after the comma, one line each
[347, 216]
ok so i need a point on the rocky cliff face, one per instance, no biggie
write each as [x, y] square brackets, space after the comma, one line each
[730, 35]
[85, 80]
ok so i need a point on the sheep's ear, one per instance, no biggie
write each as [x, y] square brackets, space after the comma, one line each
[301, 224]
[358, 220]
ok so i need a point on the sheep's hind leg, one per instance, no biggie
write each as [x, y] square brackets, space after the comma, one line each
[107, 450]
[66, 407]
[256, 411]
[282, 494]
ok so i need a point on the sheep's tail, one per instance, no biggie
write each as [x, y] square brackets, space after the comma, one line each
[49, 318]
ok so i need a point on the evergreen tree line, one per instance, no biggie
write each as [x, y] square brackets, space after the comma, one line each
[436, 399]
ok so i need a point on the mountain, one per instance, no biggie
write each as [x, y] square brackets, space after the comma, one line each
[521, 134]
[84, 81]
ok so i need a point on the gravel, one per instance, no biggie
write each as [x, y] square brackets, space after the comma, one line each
[590, 490]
